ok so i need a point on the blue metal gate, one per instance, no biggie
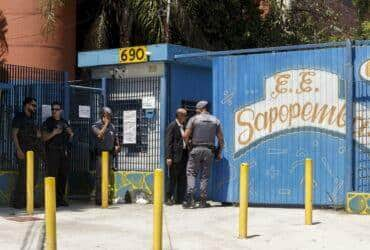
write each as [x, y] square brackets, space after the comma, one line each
[16, 83]
[138, 98]
[281, 105]
[361, 159]
[84, 101]
[6, 115]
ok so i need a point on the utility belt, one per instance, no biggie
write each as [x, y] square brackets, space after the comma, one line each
[215, 150]
[54, 147]
[209, 146]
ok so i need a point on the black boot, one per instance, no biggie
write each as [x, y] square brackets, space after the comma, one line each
[189, 202]
[203, 203]
[63, 203]
[170, 201]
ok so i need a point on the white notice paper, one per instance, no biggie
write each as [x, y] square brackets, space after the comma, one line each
[84, 111]
[148, 102]
[129, 127]
[45, 112]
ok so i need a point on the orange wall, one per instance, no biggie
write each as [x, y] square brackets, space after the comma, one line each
[27, 46]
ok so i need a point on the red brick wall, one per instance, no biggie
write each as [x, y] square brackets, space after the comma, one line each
[27, 45]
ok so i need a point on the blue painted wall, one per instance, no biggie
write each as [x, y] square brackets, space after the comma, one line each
[187, 83]
[157, 53]
[277, 160]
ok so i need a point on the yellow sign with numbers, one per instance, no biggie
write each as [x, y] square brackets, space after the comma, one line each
[136, 54]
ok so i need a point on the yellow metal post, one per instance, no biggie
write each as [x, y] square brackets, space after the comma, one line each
[30, 162]
[104, 179]
[243, 200]
[308, 192]
[158, 206]
[50, 217]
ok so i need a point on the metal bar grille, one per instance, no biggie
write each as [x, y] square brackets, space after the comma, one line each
[362, 132]
[140, 96]
[85, 94]
[16, 83]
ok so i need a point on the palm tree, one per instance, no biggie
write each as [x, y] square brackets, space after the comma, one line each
[129, 22]
[3, 30]
[145, 22]
[48, 10]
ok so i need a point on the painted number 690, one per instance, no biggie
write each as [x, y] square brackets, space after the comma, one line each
[133, 55]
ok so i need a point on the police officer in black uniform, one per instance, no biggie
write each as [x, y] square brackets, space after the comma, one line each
[57, 134]
[105, 139]
[26, 137]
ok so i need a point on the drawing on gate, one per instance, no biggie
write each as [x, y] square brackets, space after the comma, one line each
[228, 97]
[276, 151]
[272, 172]
[295, 99]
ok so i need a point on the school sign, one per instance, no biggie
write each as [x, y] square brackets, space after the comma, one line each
[283, 105]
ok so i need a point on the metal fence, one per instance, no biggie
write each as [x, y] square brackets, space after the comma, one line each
[362, 132]
[16, 83]
[141, 141]
[85, 101]
[136, 107]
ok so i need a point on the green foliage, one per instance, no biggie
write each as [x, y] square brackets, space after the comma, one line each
[363, 12]
[321, 21]
[49, 10]
[218, 24]
[365, 30]
[3, 30]
[150, 17]
[362, 7]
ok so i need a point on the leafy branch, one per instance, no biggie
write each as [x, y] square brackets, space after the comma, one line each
[3, 31]
[49, 10]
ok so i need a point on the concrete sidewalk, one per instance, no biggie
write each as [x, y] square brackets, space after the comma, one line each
[129, 227]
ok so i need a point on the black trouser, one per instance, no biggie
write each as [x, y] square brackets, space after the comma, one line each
[57, 165]
[178, 180]
[98, 175]
[19, 193]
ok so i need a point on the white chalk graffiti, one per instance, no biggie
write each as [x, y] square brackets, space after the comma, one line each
[338, 187]
[252, 189]
[252, 163]
[272, 172]
[325, 163]
[315, 184]
[228, 97]
[285, 191]
[295, 165]
[301, 153]
[276, 151]
[342, 149]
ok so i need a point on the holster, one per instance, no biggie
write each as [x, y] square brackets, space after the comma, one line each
[216, 151]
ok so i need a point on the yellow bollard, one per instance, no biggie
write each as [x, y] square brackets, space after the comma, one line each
[50, 217]
[308, 192]
[243, 201]
[104, 179]
[158, 206]
[30, 163]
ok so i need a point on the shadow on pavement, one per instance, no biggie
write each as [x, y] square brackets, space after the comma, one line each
[253, 236]
[75, 206]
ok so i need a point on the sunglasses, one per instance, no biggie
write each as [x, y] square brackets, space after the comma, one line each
[33, 105]
[55, 109]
